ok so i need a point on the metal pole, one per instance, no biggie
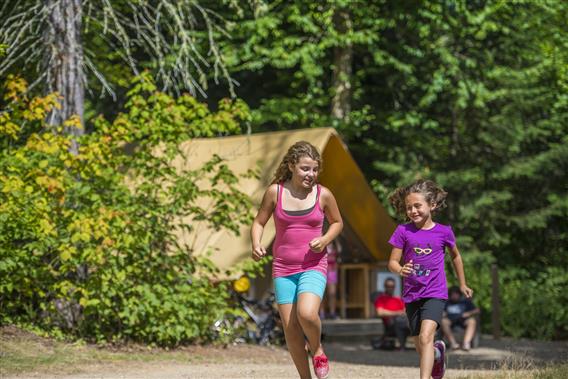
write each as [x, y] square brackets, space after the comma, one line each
[495, 302]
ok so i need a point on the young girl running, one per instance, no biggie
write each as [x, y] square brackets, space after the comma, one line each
[421, 244]
[299, 205]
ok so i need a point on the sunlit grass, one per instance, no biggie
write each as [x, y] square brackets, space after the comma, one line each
[25, 352]
[551, 372]
[522, 367]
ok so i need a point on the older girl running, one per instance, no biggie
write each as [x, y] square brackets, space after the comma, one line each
[299, 205]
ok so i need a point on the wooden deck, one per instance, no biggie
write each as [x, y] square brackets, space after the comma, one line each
[352, 329]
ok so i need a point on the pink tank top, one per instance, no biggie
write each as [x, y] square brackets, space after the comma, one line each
[291, 249]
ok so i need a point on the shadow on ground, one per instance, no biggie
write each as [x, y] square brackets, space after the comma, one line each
[491, 354]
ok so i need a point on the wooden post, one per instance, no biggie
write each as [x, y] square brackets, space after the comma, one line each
[343, 292]
[367, 309]
[495, 302]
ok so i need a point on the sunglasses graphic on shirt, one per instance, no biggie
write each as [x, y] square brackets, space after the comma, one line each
[420, 251]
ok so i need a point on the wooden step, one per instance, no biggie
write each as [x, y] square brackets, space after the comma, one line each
[353, 327]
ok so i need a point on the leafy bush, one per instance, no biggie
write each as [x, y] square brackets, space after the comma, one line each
[85, 250]
[532, 304]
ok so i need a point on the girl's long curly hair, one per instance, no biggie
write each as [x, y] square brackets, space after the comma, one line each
[433, 194]
[295, 152]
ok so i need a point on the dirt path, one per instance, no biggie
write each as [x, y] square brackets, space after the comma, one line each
[244, 370]
[348, 361]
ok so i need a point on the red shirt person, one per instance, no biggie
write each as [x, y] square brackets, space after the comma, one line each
[392, 310]
[388, 305]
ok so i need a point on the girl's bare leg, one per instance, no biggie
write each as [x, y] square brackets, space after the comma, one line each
[308, 306]
[425, 347]
[295, 338]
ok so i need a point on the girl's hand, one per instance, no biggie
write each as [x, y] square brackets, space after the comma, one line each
[407, 269]
[317, 244]
[467, 292]
[258, 253]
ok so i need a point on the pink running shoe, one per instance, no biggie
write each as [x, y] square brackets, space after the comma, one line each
[321, 366]
[439, 368]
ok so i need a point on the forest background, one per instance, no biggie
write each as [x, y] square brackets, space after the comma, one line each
[472, 94]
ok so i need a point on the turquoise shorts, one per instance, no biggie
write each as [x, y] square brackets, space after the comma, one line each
[287, 288]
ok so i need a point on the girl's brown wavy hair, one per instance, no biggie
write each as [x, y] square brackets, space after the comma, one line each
[433, 194]
[295, 152]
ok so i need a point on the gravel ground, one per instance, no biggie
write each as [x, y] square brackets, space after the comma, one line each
[347, 361]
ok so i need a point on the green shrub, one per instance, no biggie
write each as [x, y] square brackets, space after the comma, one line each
[86, 251]
[533, 305]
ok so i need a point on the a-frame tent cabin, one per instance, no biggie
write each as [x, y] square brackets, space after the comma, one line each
[367, 224]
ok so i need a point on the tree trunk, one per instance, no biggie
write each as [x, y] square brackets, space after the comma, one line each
[64, 68]
[64, 62]
[342, 68]
[453, 164]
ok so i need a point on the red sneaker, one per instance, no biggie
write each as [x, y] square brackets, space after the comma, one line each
[439, 368]
[321, 366]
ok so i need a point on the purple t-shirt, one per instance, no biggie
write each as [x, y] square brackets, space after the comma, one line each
[426, 250]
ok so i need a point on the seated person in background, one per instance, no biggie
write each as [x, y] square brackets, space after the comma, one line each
[459, 312]
[391, 309]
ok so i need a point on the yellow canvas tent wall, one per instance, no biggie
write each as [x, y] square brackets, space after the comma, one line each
[357, 202]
